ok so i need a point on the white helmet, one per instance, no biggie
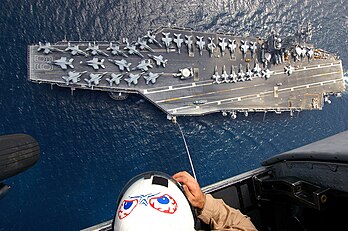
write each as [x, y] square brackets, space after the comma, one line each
[153, 201]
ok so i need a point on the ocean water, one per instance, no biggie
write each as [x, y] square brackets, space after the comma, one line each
[91, 145]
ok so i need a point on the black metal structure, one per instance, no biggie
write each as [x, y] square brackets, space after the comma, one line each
[18, 152]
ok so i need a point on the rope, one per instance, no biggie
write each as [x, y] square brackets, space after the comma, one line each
[187, 151]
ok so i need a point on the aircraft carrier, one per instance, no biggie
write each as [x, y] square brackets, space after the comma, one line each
[186, 73]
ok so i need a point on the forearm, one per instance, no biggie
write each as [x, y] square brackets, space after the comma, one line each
[222, 217]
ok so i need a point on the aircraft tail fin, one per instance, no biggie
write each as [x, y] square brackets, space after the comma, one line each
[70, 63]
[65, 78]
[127, 67]
[88, 80]
[147, 79]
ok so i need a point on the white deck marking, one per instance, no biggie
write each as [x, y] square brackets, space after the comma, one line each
[205, 94]
[306, 68]
[240, 88]
[209, 82]
[170, 88]
[252, 96]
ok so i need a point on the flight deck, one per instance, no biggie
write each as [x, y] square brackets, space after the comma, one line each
[187, 73]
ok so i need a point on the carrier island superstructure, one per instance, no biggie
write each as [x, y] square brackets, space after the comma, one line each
[186, 73]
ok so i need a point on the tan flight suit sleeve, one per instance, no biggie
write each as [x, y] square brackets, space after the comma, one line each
[222, 217]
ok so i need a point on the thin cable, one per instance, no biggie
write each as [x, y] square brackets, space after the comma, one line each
[187, 151]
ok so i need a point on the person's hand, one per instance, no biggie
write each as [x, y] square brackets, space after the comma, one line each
[192, 190]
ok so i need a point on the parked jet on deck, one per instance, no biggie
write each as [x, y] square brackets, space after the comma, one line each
[122, 64]
[73, 77]
[63, 62]
[75, 50]
[94, 78]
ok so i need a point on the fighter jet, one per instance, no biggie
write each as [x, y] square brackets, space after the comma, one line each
[143, 65]
[115, 78]
[249, 73]
[73, 77]
[289, 69]
[63, 63]
[244, 47]
[225, 76]
[216, 76]
[189, 42]
[152, 38]
[211, 46]
[95, 63]
[266, 74]
[222, 45]
[75, 50]
[278, 58]
[94, 49]
[277, 43]
[262, 54]
[178, 41]
[257, 69]
[310, 53]
[296, 52]
[200, 44]
[301, 51]
[167, 40]
[133, 78]
[232, 45]
[94, 78]
[122, 64]
[267, 58]
[115, 49]
[159, 60]
[152, 77]
[143, 45]
[253, 48]
[233, 76]
[241, 73]
[47, 48]
[132, 49]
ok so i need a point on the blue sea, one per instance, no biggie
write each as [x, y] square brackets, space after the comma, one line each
[92, 145]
